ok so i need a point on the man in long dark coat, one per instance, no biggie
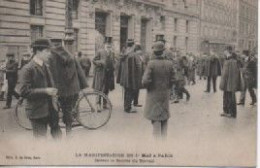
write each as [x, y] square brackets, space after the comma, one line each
[158, 80]
[70, 80]
[104, 63]
[212, 71]
[230, 83]
[249, 74]
[127, 75]
[12, 77]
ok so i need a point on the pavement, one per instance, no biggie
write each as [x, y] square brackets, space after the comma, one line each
[197, 135]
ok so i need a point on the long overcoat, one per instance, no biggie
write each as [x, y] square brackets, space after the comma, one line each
[128, 73]
[212, 66]
[158, 80]
[67, 72]
[231, 78]
[104, 63]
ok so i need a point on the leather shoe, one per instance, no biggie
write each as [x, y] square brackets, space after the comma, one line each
[240, 103]
[138, 105]
[252, 103]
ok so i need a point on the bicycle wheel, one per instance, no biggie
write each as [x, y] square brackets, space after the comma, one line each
[21, 117]
[93, 110]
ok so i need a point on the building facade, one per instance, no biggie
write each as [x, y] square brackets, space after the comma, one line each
[23, 21]
[218, 24]
[247, 25]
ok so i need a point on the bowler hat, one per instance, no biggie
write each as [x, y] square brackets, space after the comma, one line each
[130, 41]
[158, 46]
[42, 42]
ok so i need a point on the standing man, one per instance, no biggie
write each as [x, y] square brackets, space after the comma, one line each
[249, 74]
[104, 63]
[85, 63]
[11, 76]
[69, 79]
[38, 88]
[230, 83]
[158, 79]
[126, 76]
[213, 70]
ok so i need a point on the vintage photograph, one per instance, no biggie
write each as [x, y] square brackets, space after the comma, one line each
[128, 82]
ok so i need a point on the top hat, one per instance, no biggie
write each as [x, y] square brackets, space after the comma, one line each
[158, 46]
[108, 40]
[160, 37]
[129, 41]
[42, 42]
[10, 55]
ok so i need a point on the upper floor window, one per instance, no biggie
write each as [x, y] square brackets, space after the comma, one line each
[75, 11]
[36, 7]
[176, 24]
[187, 26]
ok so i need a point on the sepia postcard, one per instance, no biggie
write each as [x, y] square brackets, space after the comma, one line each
[128, 82]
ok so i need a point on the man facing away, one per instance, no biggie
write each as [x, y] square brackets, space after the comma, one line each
[38, 88]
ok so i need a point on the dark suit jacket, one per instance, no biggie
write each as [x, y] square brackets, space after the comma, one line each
[34, 80]
[11, 70]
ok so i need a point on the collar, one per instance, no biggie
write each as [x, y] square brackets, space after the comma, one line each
[38, 61]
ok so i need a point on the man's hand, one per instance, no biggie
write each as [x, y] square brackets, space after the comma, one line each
[51, 91]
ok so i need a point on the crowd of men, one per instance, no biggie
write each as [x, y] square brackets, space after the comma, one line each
[52, 74]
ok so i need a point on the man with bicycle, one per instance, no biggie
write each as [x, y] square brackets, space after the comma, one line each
[38, 88]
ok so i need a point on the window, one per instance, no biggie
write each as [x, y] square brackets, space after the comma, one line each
[76, 40]
[186, 43]
[75, 7]
[36, 7]
[176, 24]
[175, 41]
[187, 26]
[36, 32]
[162, 21]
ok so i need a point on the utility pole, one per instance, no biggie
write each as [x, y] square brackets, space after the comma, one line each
[69, 33]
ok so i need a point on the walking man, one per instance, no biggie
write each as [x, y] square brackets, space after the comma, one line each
[11, 76]
[158, 80]
[249, 74]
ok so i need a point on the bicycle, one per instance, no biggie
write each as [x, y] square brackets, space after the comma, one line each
[88, 112]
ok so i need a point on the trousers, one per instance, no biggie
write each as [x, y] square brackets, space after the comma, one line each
[39, 126]
[214, 80]
[229, 103]
[160, 128]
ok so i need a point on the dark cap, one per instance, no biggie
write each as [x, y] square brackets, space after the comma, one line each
[158, 46]
[108, 40]
[130, 41]
[10, 55]
[42, 42]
